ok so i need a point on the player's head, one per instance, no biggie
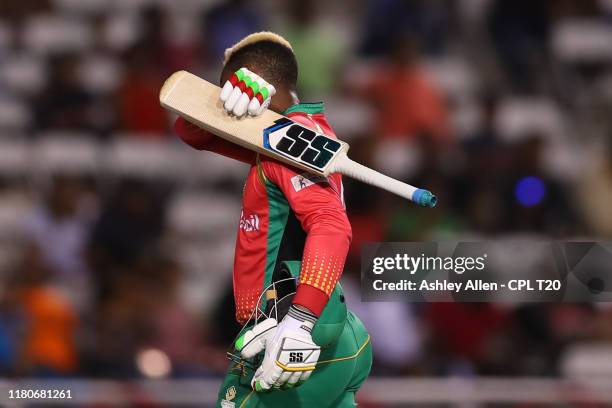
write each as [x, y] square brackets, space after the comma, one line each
[267, 54]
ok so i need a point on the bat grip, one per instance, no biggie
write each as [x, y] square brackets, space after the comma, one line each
[365, 174]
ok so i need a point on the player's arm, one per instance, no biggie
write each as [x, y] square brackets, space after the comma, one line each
[200, 139]
[318, 205]
[245, 93]
[291, 354]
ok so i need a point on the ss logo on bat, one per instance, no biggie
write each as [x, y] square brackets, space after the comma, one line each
[301, 144]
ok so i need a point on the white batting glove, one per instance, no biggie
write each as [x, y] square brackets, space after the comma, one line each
[246, 92]
[290, 354]
[254, 341]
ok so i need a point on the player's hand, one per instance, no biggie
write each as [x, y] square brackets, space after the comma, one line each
[291, 354]
[246, 92]
[253, 341]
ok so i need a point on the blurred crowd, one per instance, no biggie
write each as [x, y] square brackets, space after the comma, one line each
[116, 240]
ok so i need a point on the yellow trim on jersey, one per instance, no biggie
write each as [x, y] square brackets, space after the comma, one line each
[260, 172]
[244, 401]
[334, 360]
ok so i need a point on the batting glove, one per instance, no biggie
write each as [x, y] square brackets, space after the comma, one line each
[290, 353]
[246, 92]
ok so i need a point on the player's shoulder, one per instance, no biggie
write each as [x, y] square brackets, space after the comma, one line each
[311, 115]
[279, 172]
[271, 164]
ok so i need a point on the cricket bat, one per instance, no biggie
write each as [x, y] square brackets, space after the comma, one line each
[276, 136]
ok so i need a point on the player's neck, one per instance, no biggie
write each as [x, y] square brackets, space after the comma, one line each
[283, 100]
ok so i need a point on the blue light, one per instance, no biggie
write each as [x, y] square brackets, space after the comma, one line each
[530, 191]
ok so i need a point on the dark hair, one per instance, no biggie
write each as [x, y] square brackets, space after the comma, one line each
[274, 62]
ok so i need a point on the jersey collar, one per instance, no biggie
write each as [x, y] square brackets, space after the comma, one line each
[309, 108]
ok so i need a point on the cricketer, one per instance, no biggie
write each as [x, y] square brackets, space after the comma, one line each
[293, 228]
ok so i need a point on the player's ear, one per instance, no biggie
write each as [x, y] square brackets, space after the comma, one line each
[283, 99]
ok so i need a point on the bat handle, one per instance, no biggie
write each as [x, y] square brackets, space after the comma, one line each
[350, 168]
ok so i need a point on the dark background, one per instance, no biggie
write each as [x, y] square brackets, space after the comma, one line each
[116, 240]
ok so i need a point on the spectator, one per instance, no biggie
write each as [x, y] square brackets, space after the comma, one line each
[12, 325]
[319, 51]
[122, 324]
[406, 103]
[174, 329]
[520, 31]
[129, 225]
[169, 54]
[464, 333]
[18, 10]
[49, 347]
[59, 227]
[225, 24]
[487, 160]
[386, 20]
[138, 95]
[64, 104]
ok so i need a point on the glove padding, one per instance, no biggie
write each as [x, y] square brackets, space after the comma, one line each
[246, 92]
[290, 354]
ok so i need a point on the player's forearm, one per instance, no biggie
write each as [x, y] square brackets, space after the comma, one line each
[192, 135]
[311, 298]
[322, 266]
[200, 139]
[319, 208]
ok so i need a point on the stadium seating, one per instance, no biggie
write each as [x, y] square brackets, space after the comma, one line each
[66, 152]
[582, 41]
[48, 34]
[14, 115]
[23, 73]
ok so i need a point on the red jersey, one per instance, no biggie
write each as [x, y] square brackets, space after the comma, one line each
[287, 214]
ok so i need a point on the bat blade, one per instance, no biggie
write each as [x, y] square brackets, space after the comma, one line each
[274, 135]
[271, 134]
